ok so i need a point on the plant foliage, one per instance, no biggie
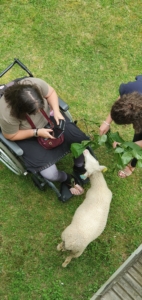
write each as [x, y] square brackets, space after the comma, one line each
[124, 152]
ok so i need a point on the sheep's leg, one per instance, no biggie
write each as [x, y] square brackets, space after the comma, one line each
[61, 247]
[67, 261]
[69, 258]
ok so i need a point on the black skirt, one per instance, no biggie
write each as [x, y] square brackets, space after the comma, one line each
[36, 158]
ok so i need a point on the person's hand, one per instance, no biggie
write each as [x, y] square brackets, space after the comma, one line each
[115, 144]
[58, 116]
[139, 143]
[45, 133]
[104, 128]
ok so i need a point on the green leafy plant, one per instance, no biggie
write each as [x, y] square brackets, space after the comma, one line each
[124, 152]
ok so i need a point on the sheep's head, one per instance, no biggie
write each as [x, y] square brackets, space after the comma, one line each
[91, 164]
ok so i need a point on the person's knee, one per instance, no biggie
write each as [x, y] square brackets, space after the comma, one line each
[50, 173]
[53, 174]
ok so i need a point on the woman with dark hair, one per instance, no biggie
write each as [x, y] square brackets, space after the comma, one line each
[127, 109]
[28, 97]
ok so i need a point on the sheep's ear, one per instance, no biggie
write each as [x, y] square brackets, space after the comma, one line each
[103, 169]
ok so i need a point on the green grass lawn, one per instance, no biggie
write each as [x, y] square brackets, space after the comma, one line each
[84, 49]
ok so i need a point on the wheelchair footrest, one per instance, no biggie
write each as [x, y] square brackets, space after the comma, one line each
[65, 193]
[38, 183]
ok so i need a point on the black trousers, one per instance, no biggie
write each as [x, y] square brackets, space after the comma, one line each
[137, 137]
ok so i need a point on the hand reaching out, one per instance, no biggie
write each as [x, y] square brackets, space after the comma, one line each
[114, 145]
[104, 128]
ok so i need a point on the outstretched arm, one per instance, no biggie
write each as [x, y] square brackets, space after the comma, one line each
[105, 126]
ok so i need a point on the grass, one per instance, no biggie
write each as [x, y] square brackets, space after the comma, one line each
[84, 49]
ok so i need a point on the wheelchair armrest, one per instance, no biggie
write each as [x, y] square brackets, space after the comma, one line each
[11, 145]
[63, 105]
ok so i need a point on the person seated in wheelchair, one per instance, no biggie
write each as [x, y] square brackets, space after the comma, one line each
[28, 97]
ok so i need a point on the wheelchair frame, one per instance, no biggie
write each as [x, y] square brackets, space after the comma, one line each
[11, 153]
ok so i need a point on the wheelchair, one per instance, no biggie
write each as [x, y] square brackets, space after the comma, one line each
[11, 153]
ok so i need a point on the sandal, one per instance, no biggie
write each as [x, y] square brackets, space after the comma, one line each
[126, 172]
[73, 185]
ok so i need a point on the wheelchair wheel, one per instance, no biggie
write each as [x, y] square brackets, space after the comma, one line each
[9, 160]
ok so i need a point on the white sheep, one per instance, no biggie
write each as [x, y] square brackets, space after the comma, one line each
[90, 218]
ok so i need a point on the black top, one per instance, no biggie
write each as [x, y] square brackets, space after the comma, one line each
[132, 86]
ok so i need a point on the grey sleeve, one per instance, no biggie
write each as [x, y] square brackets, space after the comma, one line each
[9, 128]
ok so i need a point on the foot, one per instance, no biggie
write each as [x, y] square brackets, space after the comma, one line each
[73, 186]
[126, 172]
[76, 190]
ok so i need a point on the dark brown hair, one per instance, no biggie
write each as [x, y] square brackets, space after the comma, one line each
[128, 110]
[23, 99]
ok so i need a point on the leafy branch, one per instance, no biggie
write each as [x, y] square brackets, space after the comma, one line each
[124, 152]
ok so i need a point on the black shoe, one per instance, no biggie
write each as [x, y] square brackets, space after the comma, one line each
[80, 170]
[77, 171]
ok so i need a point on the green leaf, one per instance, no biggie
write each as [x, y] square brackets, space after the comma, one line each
[126, 157]
[139, 163]
[102, 139]
[131, 145]
[94, 143]
[118, 149]
[86, 143]
[109, 138]
[95, 146]
[77, 149]
[116, 137]
[137, 155]
[120, 164]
